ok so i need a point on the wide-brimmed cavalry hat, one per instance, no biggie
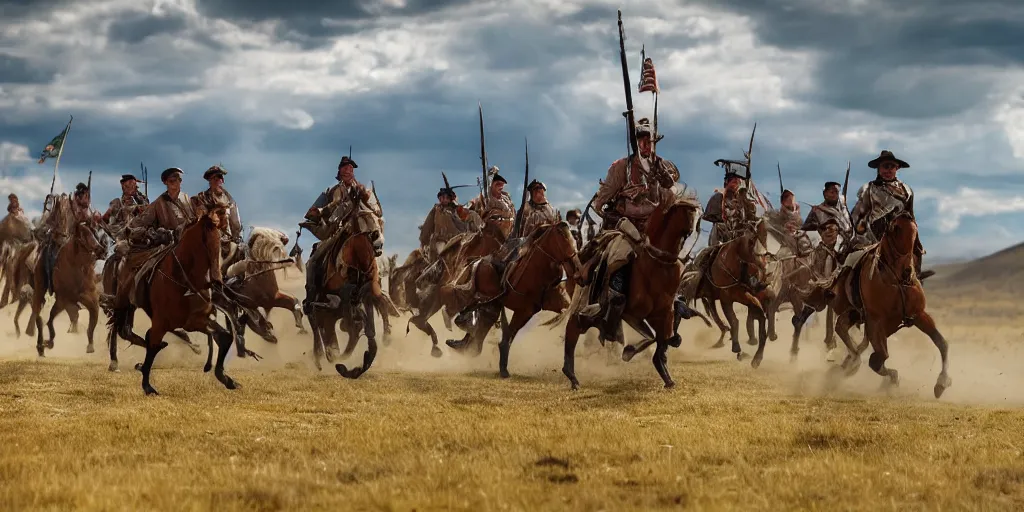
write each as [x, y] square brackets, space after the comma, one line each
[170, 172]
[81, 188]
[830, 184]
[128, 177]
[445, 191]
[887, 156]
[573, 214]
[345, 160]
[214, 170]
[644, 129]
[786, 193]
[497, 178]
[535, 185]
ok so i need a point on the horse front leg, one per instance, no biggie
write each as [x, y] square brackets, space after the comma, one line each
[712, 310]
[751, 339]
[734, 327]
[371, 342]
[876, 335]
[664, 320]
[152, 349]
[421, 321]
[519, 319]
[572, 335]
[92, 306]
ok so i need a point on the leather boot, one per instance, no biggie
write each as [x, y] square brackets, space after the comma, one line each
[312, 282]
[613, 317]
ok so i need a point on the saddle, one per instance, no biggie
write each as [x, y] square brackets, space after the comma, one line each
[147, 262]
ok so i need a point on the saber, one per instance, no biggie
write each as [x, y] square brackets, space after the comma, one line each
[517, 229]
[782, 189]
[483, 155]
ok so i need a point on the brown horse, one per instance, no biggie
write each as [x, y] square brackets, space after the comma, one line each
[402, 281]
[178, 295]
[352, 281]
[729, 266]
[254, 277]
[73, 282]
[883, 292]
[530, 284]
[457, 255]
[656, 270]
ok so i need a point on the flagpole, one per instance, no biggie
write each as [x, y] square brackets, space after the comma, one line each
[56, 162]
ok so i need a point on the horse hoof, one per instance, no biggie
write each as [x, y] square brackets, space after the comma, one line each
[628, 352]
[90, 349]
[138, 367]
[149, 390]
[894, 378]
[503, 374]
[113, 367]
[755, 362]
[675, 341]
[773, 336]
[720, 344]
[436, 352]
[231, 384]
[455, 344]
[195, 349]
[831, 355]
[49, 344]
[752, 342]
[670, 384]
[575, 386]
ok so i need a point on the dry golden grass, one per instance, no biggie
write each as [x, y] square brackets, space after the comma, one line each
[425, 434]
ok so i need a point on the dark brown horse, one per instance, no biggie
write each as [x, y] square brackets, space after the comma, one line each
[74, 283]
[402, 281]
[530, 284]
[883, 292]
[457, 255]
[178, 295]
[353, 290]
[730, 266]
[656, 270]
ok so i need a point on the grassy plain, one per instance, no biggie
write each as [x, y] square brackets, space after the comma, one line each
[418, 433]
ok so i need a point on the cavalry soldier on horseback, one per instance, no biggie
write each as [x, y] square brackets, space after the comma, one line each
[829, 209]
[628, 195]
[497, 207]
[329, 221]
[162, 221]
[72, 210]
[14, 206]
[538, 211]
[122, 209]
[877, 201]
[787, 221]
[446, 220]
[730, 211]
[217, 195]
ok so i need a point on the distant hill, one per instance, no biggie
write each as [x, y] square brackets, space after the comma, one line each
[1002, 271]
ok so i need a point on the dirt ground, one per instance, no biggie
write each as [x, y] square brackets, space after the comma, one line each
[419, 433]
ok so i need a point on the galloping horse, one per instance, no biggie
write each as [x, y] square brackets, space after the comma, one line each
[459, 253]
[884, 293]
[402, 281]
[530, 284]
[254, 277]
[74, 283]
[652, 292]
[352, 280]
[178, 295]
[730, 264]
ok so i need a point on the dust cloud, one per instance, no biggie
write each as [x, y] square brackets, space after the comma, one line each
[983, 355]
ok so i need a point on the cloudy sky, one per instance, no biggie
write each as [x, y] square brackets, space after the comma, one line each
[277, 91]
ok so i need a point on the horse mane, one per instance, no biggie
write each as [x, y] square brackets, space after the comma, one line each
[265, 245]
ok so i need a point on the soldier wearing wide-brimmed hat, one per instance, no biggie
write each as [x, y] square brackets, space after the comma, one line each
[14, 205]
[573, 217]
[729, 210]
[877, 202]
[166, 216]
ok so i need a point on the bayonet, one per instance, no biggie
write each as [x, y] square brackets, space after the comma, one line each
[750, 151]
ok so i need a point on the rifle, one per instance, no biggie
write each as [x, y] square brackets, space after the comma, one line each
[380, 207]
[846, 208]
[145, 180]
[628, 114]
[517, 230]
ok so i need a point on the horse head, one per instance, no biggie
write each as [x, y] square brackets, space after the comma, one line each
[555, 240]
[87, 241]
[674, 220]
[901, 234]
[199, 246]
